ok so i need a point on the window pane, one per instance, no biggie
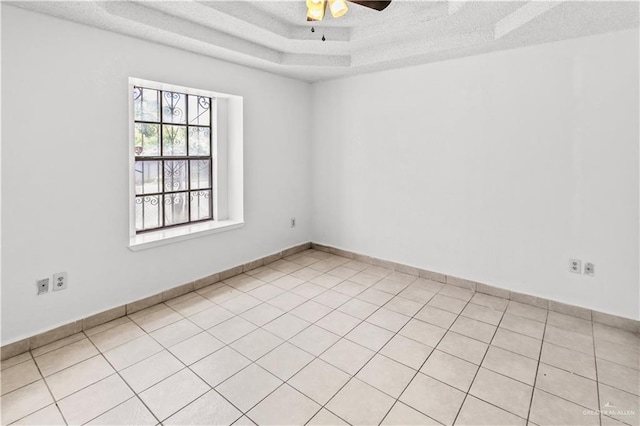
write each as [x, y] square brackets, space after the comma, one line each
[174, 140]
[199, 138]
[148, 212]
[146, 137]
[148, 177]
[199, 110]
[200, 205]
[173, 108]
[173, 167]
[175, 175]
[146, 104]
[200, 174]
[175, 208]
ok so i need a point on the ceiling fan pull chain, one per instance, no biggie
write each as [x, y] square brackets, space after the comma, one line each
[313, 30]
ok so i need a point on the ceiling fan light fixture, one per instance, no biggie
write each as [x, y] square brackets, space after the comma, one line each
[315, 9]
[338, 8]
[315, 15]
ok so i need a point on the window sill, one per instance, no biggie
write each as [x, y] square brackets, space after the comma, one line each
[174, 235]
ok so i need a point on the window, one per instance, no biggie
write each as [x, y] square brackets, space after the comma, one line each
[173, 158]
[186, 155]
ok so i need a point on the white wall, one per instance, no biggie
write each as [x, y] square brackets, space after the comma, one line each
[496, 168]
[65, 169]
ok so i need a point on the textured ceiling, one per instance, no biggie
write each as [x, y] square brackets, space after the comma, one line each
[274, 35]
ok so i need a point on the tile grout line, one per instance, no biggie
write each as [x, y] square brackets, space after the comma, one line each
[326, 289]
[50, 393]
[221, 348]
[26, 384]
[567, 371]
[535, 378]
[539, 362]
[297, 250]
[260, 327]
[457, 357]
[125, 382]
[480, 366]
[184, 317]
[595, 360]
[397, 399]
[218, 304]
[324, 406]
[239, 314]
[212, 388]
[345, 302]
[562, 368]
[341, 337]
[70, 366]
[187, 367]
[318, 356]
[312, 249]
[424, 304]
[488, 346]
[44, 379]
[164, 348]
[100, 353]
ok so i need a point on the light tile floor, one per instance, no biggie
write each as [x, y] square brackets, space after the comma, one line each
[323, 340]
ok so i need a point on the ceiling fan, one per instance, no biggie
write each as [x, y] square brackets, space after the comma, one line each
[316, 8]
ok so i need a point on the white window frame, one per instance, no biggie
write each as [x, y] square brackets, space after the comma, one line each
[227, 170]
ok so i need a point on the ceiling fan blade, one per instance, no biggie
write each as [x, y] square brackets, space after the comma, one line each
[377, 5]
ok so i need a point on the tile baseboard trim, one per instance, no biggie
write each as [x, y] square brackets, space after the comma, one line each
[16, 348]
[552, 305]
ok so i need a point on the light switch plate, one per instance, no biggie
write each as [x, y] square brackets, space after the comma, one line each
[42, 286]
[589, 269]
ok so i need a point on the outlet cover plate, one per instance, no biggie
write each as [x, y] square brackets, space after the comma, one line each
[575, 266]
[59, 281]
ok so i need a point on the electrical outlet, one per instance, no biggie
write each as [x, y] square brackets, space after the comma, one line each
[42, 286]
[293, 222]
[59, 281]
[589, 269]
[575, 266]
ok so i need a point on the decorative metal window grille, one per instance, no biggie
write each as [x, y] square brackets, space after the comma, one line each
[173, 158]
